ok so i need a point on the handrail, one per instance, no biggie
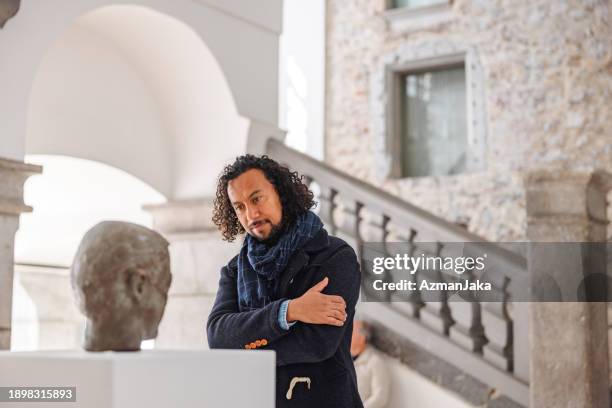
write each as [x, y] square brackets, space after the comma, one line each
[379, 200]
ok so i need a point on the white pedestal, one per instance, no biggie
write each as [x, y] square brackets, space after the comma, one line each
[146, 379]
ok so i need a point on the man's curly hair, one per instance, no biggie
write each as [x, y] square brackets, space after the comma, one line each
[295, 197]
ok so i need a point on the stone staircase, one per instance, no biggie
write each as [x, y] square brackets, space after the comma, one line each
[478, 350]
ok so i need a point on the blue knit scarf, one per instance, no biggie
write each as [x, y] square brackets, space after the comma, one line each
[259, 265]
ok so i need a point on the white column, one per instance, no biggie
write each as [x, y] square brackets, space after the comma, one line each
[13, 175]
[59, 323]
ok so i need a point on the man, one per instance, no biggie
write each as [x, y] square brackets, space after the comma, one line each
[291, 289]
[372, 374]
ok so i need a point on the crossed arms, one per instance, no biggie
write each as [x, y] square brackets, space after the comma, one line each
[320, 316]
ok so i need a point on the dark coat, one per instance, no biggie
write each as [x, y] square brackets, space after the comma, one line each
[320, 352]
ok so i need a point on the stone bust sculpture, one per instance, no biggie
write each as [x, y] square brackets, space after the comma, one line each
[120, 277]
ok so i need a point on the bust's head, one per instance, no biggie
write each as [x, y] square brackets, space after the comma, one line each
[120, 277]
[8, 8]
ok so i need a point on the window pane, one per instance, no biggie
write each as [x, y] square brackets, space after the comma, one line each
[434, 123]
[416, 3]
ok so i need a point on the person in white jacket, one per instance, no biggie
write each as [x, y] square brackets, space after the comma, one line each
[373, 380]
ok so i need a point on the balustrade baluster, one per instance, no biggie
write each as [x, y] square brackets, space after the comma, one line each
[327, 207]
[373, 232]
[436, 314]
[307, 179]
[348, 229]
[499, 330]
[468, 330]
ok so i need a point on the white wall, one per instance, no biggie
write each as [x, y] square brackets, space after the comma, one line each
[201, 122]
[88, 101]
[140, 91]
[302, 75]
[242, 37]
[45, 315]
[411, 389]
[265, 13]
[24, 324]
[70, 197]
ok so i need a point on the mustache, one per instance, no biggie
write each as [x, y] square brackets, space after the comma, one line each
[256, 223]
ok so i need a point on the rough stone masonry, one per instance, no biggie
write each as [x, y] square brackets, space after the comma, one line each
[547, 84]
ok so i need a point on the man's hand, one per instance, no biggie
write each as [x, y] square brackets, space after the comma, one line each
[317, 308]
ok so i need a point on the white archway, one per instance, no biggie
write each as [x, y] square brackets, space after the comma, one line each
[70, 197]
[240, 37]
[140, 91]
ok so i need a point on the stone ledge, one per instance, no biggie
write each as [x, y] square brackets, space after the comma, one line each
[19, 166]
[13, 175]
[437, 370]
[578, 194]
[13, 207]
[182, 216]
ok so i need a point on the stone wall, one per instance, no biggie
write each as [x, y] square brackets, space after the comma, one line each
[547, 80]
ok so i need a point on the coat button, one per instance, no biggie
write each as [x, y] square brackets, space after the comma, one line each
[291, 281]
[264, 342]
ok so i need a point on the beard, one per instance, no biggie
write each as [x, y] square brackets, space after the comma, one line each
[275, 233]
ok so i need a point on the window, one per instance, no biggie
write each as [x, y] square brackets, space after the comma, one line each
[416, 3]
[428, 115]
[432, 122]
